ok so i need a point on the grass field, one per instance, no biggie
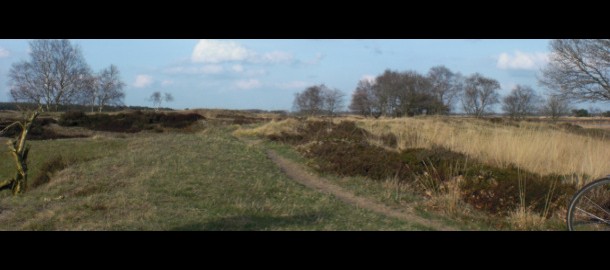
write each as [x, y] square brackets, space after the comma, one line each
[171, 181]
[218, 177]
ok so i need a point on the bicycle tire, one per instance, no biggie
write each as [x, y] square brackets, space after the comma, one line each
[589, 209]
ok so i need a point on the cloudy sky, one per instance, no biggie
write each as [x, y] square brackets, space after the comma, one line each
[265, 74]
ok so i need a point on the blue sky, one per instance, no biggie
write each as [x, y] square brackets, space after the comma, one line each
[265, 74]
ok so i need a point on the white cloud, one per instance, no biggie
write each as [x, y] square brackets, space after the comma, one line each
[4, 52]
[213, 51]
[521, 60]
[143, 81]
[167, 82]
[293, 85]
[248, 84]
[216, 51]
[276, 57]
[206, 69]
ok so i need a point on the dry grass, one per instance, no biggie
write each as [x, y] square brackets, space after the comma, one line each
[526, 220]
[535, 147]
[287, 126]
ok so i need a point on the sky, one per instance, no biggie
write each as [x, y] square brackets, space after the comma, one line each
[266, 73]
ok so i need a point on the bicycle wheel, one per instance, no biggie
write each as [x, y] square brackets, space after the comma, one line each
[590, 208]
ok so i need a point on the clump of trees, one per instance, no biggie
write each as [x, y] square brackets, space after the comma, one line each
[581, 113]
[398, 94]
[57, 74]
[319, 100]
[156, 98]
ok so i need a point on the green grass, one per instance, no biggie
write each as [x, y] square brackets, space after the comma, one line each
[73, 150]
[173, 181]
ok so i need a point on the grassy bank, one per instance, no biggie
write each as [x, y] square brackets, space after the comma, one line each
[174, 181]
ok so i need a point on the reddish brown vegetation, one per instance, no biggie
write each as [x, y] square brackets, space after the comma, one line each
[343, 149]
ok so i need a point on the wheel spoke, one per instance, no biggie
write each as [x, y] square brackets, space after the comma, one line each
[594, 216]
[597, 205]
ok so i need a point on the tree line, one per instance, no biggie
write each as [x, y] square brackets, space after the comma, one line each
[409, 93]
[578, 70]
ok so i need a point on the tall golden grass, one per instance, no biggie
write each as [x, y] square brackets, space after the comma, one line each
[533, 146]
[536, 147]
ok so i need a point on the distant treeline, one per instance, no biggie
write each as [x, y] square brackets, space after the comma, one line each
[280, 112]
[15, 106]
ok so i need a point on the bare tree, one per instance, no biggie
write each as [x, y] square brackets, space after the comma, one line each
[109, 88]
[24, 84]
[55, 74]
[168, 97]
[363, 99]
[386, 89]
[310, 101]
[579, 69]
[521, 101]
[87, 96]
[334, 100]
[157, 99]
[555, 106]
[445, 86]
[480, 93]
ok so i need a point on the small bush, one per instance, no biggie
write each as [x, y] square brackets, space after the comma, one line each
[177, 120]
[343, 149]
[73, 118]
[358, 159]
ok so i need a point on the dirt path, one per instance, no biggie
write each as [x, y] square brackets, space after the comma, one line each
[299, 174]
